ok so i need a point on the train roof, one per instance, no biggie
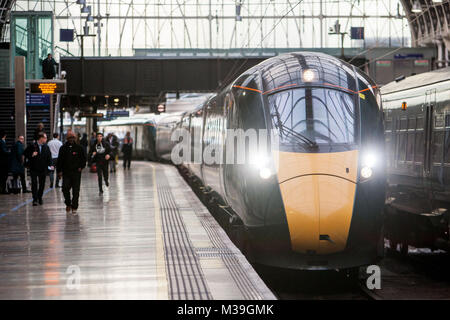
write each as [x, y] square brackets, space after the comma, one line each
[416, 81]
[287, 70]
[141, 119]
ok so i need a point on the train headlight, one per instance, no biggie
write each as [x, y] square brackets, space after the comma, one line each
[369, 161]
[265, 173]
[310, 75]
[366, 172]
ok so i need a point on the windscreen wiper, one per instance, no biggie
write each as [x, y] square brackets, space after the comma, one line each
[303, 138]
[298, 135]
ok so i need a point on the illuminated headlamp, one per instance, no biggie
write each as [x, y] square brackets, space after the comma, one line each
[369, 160]
[262, 164]
[310, 75]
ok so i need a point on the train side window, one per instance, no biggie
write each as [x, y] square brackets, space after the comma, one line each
[403, 123]
[388, 125]
[419, 147]
[438, 146]
[402, 147]
[420, 123]
[410, 147]
[412, 123]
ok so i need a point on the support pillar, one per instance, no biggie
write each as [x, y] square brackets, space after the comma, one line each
[20, 96]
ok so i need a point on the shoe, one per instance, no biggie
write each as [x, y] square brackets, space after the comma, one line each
[26, 191]
[107, 184]
[57, 186]
[40, 201]
[100, 192]
[74, 211]
[51, 186]
[68, 208]
[35, 203]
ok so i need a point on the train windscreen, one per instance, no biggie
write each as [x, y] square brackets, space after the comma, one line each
[314, 118]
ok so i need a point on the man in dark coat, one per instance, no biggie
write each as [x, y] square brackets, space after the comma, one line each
[100, 154]
[40, 161]
[71, 161]
[4, 162]
[114, 145]
[17, 162]
[48, 67]
[127, 150]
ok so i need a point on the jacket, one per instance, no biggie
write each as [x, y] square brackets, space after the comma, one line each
[127, 146]
[17, 152]
[101, 152]
[71, 158]
[4, 155]
[42, 161]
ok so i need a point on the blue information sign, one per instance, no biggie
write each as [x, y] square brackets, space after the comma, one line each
[38, 99]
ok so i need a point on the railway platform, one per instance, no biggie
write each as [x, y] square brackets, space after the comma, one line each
[147, 237]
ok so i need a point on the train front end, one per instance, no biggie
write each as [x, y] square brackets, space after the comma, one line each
[328, 186]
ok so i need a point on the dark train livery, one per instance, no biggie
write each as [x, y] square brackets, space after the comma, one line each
[417, 123]
[322, 209]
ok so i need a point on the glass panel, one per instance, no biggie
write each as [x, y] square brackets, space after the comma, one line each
[320, 116]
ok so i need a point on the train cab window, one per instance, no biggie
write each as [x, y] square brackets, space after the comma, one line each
[306, 117]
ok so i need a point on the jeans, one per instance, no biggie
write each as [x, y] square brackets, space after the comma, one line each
[102, 170]
[52, 173]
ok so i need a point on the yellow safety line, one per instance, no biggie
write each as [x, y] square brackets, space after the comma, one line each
[162, 291]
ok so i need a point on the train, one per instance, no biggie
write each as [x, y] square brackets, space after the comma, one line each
[417, 130]
[143, 132]
[313, 198]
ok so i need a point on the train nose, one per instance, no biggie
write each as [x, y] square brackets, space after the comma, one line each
[319, 211]
[318, 192]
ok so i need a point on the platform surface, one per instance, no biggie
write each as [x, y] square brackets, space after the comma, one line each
[147, 237]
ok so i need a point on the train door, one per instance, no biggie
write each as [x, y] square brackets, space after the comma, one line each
[436, 140]
[433, 147]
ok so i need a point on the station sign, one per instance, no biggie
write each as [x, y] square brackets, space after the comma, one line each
[47, 86]
[90, 115]
[37, 100]
[118, 113]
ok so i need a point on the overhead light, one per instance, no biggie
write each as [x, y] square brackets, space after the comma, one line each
[116, 99]
[437, 1]
[416, 8]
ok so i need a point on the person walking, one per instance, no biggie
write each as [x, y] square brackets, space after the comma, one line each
[48, 67]
[40, 161]
[101, 154]
[69, 165]
[114, 145]
[84, 143]
[39, 129]
[17, 162]
[54, 145]
[4, 162]
[127, 149]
